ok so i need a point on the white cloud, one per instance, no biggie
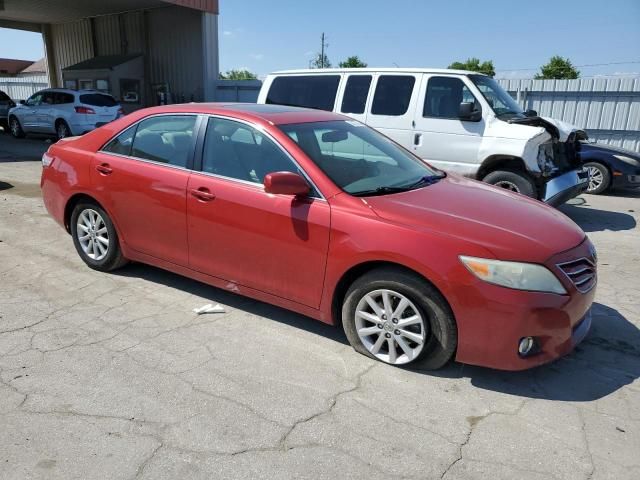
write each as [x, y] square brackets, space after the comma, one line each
[309, 53]
[257, 56]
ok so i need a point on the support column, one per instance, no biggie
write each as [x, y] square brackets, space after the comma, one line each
[49, 52]
[210, 66]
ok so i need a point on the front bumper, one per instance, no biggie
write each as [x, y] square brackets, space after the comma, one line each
[625, 181]
[566, 186]
[492, 320]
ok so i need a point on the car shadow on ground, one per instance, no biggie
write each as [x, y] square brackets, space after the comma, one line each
[607, 360]
[594, 220]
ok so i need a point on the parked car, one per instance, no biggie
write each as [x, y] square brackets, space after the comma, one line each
[63, 112]
[271, 202]
[459, 121]
[610, 167]
[5, 104]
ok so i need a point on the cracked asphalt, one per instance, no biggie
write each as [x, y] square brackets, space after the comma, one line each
[112, 376]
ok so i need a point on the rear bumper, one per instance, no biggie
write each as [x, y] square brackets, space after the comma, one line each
[566, 186]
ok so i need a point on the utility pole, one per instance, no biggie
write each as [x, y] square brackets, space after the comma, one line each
[322, 51]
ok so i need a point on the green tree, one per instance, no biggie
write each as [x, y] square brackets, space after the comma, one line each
[320, 61]
[352, 62]
[238, 75]
[558, 67]
[473, 64]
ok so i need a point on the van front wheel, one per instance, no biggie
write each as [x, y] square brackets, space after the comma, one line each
[518, 182]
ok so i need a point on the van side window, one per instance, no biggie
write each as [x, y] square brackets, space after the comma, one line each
[393, 94]
[310, 91]
[444, 96]
[355, 94]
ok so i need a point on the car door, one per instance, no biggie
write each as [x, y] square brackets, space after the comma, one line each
[46, 112]
[441, 137]
[28, 113]
[141, 176]
[394, 99]
[273, 243]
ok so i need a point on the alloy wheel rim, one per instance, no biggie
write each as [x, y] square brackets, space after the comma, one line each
[14, 127]
[507, 185]
[595, 178]
[92, 234]
[390, 326]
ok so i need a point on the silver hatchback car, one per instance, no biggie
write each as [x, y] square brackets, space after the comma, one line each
[63, 112]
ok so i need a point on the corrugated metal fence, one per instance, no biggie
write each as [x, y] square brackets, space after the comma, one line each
[607, 107]
[21, 88]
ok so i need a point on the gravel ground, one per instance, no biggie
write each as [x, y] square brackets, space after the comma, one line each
[113, 376]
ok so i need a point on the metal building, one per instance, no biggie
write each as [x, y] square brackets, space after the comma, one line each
[177, 41]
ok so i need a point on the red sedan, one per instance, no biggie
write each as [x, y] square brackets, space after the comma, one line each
[322, 215]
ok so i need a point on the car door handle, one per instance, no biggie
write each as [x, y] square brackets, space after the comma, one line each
[203, 194]
[104, 169]
[417, 139]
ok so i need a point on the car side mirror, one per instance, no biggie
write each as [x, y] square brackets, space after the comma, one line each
[22, 102]
[531, 113]
[286, 183]
[468, 112]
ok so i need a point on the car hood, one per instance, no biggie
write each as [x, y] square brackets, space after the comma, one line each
[509, 225]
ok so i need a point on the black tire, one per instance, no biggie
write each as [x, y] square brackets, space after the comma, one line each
[113, 259]
[512, 180]
[15, 128]
[441, 332]
[62, 130]
[603, 175]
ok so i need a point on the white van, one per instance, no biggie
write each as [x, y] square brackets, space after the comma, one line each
[456, 120]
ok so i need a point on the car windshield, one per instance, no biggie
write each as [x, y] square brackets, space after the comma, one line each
[360, 160]
[500, 101]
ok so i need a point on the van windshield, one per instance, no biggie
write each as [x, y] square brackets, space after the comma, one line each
[500, 101]
[360, 160]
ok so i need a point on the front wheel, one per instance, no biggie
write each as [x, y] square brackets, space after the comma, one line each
[95, 237]
[513, 181]
[599, 178]
[15, 128]
[397, 318]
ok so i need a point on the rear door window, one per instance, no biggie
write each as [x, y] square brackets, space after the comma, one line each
[62, 98]
[98, 100]
[355, 94]
[122, 143]
[310, 91]
[165, 139]
[393, 95]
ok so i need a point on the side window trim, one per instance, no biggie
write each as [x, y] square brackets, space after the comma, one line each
[199, 153]
[192, 149]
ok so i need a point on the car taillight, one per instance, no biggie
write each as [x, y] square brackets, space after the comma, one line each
[85, 110]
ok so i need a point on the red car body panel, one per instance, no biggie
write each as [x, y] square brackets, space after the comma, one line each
[294, 252]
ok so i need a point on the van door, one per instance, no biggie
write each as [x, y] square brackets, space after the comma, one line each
[441, 137]
[393, 106]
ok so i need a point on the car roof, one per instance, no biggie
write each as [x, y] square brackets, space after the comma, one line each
[316, 71]
[273, 114]
[73, 92]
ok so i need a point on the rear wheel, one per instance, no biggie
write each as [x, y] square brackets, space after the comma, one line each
[95, 237]
[599, 178]
[397, 318]
[15, 128]
[62, 129]
[513, 181]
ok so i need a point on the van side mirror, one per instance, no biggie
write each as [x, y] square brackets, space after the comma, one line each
[286, 183]
[531, 113]
[468, 112]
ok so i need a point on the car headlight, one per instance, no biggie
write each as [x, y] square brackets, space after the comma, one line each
[628, 160]
[521, 276]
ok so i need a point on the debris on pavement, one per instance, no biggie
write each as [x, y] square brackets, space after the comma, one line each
[209, 308]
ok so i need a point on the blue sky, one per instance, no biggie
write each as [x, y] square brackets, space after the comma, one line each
[266, 36]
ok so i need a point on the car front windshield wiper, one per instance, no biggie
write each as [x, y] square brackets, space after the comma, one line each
[384, 190]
